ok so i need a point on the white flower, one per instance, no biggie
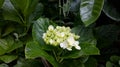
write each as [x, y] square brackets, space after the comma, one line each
[69, 43]
[76, 45]
[50, 27]
[51, 41]
[44, 34]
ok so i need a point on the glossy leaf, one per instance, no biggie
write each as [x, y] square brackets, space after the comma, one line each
[33, 50]
[40, 27]
[111, 9]
[27, 6]
[8, 58]
[90, 10]
[37, 12]
[9, 12]
[1, 3]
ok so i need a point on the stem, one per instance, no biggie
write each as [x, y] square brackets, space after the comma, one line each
[46, 64]
[55, 55]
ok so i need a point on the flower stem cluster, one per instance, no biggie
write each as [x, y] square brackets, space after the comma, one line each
[61, 36]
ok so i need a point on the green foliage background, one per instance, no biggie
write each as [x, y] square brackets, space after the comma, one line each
[22, 23]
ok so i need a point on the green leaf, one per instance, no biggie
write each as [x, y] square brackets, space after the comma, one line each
[72, 63]
[3, 46]
[114, 59]
[111, 9]
[37, 12]
[3, 65]
[92, 62]
[8, 44]
[33, 50]
[90, 10]
[1, 3]
[106, 35]
[85, 33]
[27, 6]
[8, 58]
[86, 49]
[9, 29]
[28, 63]
[109, 64]
[15, 45]
[9, 12]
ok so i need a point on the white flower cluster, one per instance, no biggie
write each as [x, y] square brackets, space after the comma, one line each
[61, 36]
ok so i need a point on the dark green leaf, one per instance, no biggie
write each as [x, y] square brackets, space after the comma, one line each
[86, 49]
[1, 3]
[90, 10]
[3, 65]
[3, 46]
[9, 12]
[8, 58]
[107, 34]
[15, 45]
[114, 59]
[92, 62]
[27, 6]
[33, 50]
[111, 9]
[109, 64]
[37, 12]
[9, 29]
[73, 63]
[28, 63]
[85, 33]
[8, 44]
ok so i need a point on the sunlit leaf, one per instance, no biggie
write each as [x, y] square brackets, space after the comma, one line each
[90, 10]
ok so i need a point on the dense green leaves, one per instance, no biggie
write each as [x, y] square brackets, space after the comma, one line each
[1, 3]
[8, 44]
[33, 50]
[90, 10]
